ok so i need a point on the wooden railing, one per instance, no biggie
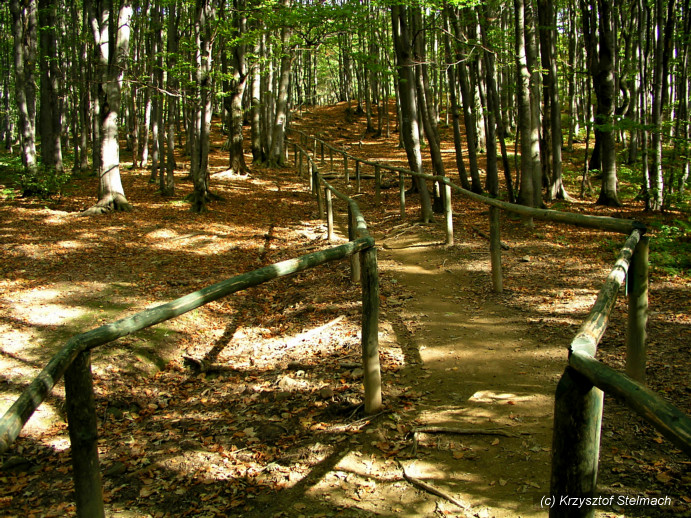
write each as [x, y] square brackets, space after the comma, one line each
[74, 358]
[579, 394]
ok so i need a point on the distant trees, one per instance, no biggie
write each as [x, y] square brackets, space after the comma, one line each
[152, 74]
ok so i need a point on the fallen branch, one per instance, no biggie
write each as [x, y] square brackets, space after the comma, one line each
[457, 431]
[433, 490]
[200, 365]
[504, 246]
[464, 431]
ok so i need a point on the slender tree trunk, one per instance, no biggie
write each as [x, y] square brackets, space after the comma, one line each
[168, 185]
[25, 49]
[409, 110]
[453, 105]
[535, 91]
[157, 96]
[427, 108]
[111, 67]
[236, 161]
[492, 178]
[526, 194]
[655, 194]
[599, 36]
[200, 150]
[258, 156]
[468, 100]
[548, 35]
[276, 153]
[50, 114]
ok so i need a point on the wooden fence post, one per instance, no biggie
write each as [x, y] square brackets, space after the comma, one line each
[321, 144]
[370, 331]
[81, 417]
[295, 153]
[357, 176]
[495, 249]
[637, 287]
[448, 213]
[401, 188]
[331, 157]
[377, 185]
[329, 215]
[317, 191]
[345, 167]
[352, 235]
[575, 444]
[300, 166]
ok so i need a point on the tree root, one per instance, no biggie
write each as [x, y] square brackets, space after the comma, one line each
[435, 491]
[110, 203]
[504, 246]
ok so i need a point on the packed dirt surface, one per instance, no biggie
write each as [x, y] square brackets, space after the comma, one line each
[251, 406]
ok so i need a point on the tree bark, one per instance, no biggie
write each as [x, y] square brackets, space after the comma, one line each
[600, 50]
[235, 92]
[453, 105]
[655, 199]
[426, 104]
[168, 184]
[258, 155]
[111, 67]
[25, 48]
[548, 47]
[409, 110]
[276, 153]
[50, 115]
[199, 164]
[468, 101]
[530, 156]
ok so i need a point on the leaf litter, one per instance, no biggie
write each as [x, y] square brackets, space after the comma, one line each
[256, 411]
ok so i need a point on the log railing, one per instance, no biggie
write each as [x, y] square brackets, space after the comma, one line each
[579, 394]
[74, 358]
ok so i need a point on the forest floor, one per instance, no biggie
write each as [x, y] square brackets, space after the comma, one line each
[273, 426]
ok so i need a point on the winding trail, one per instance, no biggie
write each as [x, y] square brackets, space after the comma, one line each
[471, 362]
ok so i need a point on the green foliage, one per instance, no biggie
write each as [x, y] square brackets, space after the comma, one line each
[43, 183]
[670, 248]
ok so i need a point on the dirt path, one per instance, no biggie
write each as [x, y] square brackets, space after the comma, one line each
[478, 369]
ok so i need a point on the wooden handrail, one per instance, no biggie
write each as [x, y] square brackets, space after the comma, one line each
[579, 395]
[18, 414]
[623, 226]
[665, 417]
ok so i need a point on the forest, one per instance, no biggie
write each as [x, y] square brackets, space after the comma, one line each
[151, 148]
[539, 76]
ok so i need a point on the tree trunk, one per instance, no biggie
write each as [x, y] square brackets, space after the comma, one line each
[526, 194]
[548, 35]
[168, 185]
[468, 100]
[199, 163]
[409, 110]
[655, 194]
[25, 46]
[427, 108]
[276, 153]
[111, 67]
[258, 155]
[600, 49]
[533, 66]
[236, 159]
[50, 114]
[453, 105]
[492, 178]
